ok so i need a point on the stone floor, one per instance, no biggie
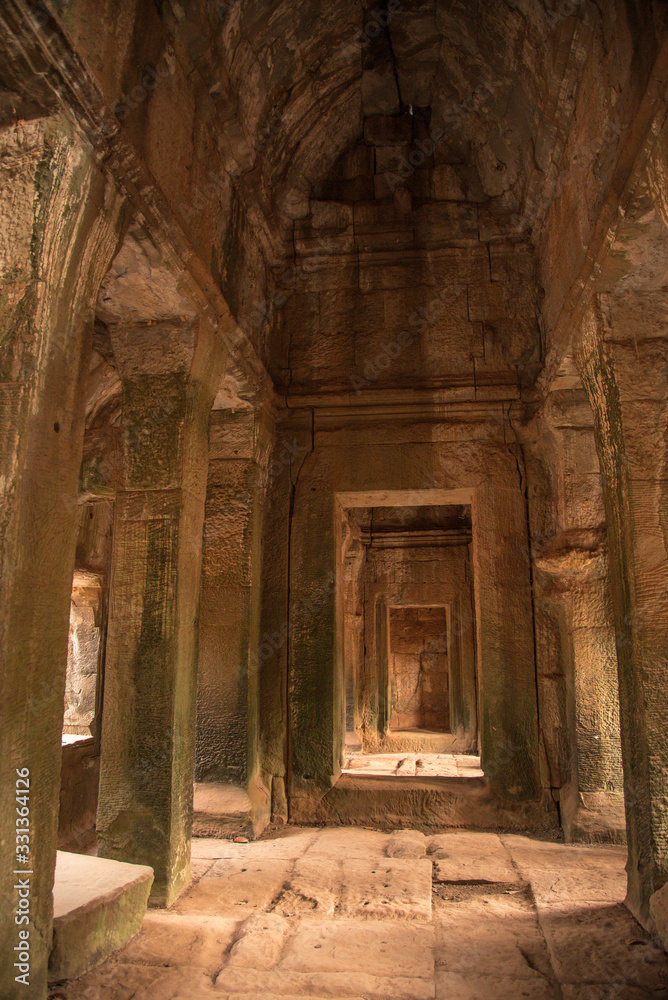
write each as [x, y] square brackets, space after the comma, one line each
[352, 913]
[434, 765]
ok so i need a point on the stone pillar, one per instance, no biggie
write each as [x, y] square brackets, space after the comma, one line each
[624, 365]
[60, 222]
[229, 627]
[508, 699]
[463, 709]
[579, 672]
[148, 731]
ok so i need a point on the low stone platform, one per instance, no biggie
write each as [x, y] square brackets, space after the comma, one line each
[423, 765]
[418, 741]
[98, 906]
[433, 803]
[221, 810]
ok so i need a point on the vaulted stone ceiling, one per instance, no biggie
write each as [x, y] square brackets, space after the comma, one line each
[293, 81]
[267, 104]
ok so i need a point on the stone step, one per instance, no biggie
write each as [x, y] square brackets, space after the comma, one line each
[399, 802]
[98, 905]
[221, 809]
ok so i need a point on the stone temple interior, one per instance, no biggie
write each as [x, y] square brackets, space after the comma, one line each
[334, 523]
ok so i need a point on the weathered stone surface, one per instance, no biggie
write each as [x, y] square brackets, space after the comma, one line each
[480, 941]
[492, 935]
[406, 844]
[345, 843]
[260, 942]
[323, 984]
[203, 942]
[221, 809]
[61, 221]
[117, 981]
[314, 886]
[290, 845]
[396, 888]
[473, 987]
[658, 912]
[577, 874]
[431, 238]
[98, 905]
[471, 857]
[327, 946]
[235, 887]
[602, 943]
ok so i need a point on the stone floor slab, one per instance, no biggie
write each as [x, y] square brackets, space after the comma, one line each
[348, 842]
[234, 887]
[392, 888]
[602, 943]
[463, 856]
[200, 868]
[314, 985]
[167, 939]
[498, 936]
[282, 928]
[287, 845]
[444, 764]
[559, 872]
[313, 886]
[260, 943]
[373, 947]
[115, 981]
[452, 986]
[381, 763]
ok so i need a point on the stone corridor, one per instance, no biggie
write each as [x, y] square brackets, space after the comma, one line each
[355, 914]
[334, 498]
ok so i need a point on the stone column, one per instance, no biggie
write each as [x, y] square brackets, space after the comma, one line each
[148, 731]
[60, 223]
[229, 627]
[508, 720]
[623, 360]
[578, 675]
[463, 708]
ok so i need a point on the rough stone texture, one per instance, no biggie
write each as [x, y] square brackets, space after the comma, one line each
[658, 913]
[488, 933]
[86, 621]
[145, 805]
[406, 844]
[221, 810]
[471, 857]
[98, 905]
[53, 254]
[79, 779]
[430, 239]
[230, 613]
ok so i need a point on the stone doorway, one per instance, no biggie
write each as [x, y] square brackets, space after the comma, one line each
[419, 669]
[407, 629]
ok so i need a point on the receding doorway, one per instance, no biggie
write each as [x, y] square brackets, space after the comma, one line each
[419, 669]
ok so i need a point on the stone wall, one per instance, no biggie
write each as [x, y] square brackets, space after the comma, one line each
[79, 782]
